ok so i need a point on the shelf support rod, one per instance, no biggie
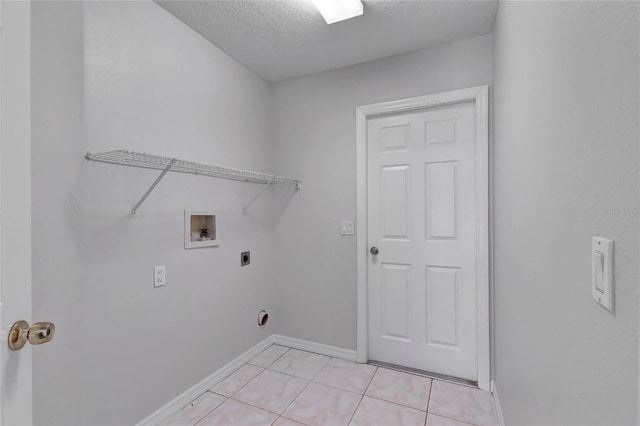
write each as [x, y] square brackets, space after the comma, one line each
[152, 187]
[244, 210]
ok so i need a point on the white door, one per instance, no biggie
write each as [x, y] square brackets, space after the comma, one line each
[422, 224]
[15, 207]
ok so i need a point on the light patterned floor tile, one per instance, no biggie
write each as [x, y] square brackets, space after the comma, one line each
[271, 391]
[268, 356]
[300, 364]
[332, 397]
[236, 413]
[401, 388]
[320, 405]
[375, 412]
[194, 412]
[462, 403]
[346, 375]
[283, 421]
[237, 380]
[433, 420]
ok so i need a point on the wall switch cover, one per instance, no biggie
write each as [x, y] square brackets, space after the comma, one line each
[346, 227]
[602, 272]
[159, 276]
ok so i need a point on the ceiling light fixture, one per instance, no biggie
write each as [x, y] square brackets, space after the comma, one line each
[338, 10]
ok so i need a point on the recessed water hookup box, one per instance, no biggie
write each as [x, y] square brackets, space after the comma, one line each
[200, 229]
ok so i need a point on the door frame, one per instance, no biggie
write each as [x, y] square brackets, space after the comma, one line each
[479, 95]
[16, 392]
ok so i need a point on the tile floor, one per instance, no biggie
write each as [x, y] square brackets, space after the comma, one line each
[289, 387]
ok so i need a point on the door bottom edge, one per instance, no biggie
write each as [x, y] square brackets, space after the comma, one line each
[423, 373]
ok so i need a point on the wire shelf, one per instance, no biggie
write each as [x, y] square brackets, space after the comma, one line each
[168, 164]
[157, 162]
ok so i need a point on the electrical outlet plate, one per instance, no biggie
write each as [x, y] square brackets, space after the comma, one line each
[159, 276]
[245, 258]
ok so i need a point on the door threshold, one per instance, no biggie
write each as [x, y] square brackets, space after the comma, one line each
[423, 373]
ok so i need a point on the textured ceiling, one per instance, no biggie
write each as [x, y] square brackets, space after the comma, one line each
[283, 39]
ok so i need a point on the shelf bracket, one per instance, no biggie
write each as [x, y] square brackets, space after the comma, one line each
[244, 209]
[152, 187]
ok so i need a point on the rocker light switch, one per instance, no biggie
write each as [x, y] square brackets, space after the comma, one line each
[598, 269]
[346, 227]
[602, 271]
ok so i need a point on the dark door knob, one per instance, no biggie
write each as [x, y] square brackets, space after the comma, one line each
[374, 250]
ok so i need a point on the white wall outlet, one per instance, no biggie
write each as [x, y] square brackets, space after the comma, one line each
[159, 276]
[346, 227]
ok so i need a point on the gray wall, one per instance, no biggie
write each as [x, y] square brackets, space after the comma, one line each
[129, 75]
[566, 155]
[315, 140]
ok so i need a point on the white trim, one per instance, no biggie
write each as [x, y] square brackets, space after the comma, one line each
[362, 317]
[480, 95]
[496, 400]
[319, 348]
[16, 393]
[192, 393]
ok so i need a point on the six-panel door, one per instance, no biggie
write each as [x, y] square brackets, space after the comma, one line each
[422, 217]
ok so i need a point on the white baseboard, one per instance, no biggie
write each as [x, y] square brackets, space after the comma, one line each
[190, 394]
[494, 391]
[319, 348]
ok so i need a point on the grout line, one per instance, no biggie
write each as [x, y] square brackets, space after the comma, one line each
[297, 421]
[451, 418]
[395, 403]
[307, 385]
[371, 380]
[363, 395]
[277, 418]
[294, 399]
[273, 371]
[272, 362]
[209, 413]
[243, 386]
[321, 368]
[255, 406]
[298, 377]
[337, 388]
[251, 379]
[428, 402]
[356, 410]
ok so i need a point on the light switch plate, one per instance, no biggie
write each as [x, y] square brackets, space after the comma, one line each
[159, 276]
[346, 227]
[602, 272]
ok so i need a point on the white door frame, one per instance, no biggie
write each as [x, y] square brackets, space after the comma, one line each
[15, 207]
[479, 95]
